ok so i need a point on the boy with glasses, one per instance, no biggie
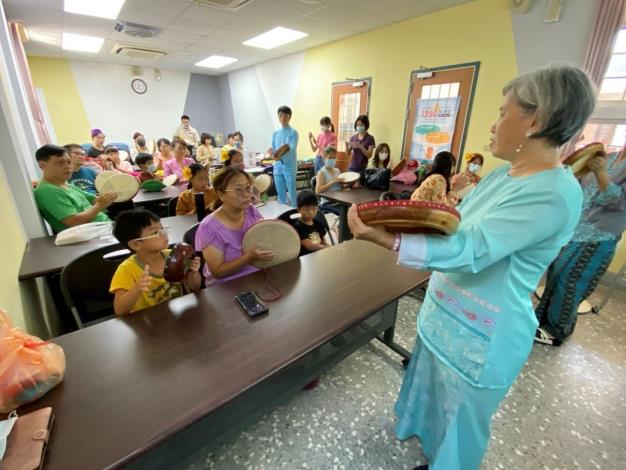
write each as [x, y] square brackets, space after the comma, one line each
[138, 282]
[83, 177]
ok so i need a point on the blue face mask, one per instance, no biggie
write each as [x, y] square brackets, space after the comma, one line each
[238, 144]
[330, 163]
[360, 129]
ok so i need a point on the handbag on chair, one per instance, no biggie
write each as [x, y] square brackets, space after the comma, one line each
[377, 178]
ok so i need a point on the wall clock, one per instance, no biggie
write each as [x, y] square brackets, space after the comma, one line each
[139, 86]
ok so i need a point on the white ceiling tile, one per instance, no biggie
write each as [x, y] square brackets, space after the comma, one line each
[302, 7]
[319, 28]
[441, 4]
[192, 27]
[398, 10]
[26, 13]
[148, 18]
[262, 10]
[171, 8]
[41, 49]
[177, 36]
[209, 15]
[348, 13]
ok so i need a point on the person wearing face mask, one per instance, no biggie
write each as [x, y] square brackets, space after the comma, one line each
[475, 163]
[238, 141]
[325, 138]
[361, 145]
[476, 324]
[327, 179]
[145, 162]
[140, 145]
[382, 155]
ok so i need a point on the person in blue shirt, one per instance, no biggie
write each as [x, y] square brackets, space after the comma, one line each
[476, 324]
[283, 151]
[83, 177]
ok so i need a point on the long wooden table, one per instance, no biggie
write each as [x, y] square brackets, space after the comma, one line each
[43, 257]
[346, 197]
[151, 389]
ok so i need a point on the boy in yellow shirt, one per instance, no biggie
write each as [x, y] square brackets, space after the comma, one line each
[138, 282]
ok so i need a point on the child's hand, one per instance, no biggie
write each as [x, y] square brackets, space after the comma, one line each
[310, 135]
[143, 284]
[194, 267]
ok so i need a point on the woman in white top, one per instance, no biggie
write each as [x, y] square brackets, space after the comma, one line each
[204, 152]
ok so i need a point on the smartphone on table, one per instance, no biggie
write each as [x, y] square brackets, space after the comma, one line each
[251, 303]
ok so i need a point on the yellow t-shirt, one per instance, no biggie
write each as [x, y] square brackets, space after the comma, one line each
[129, 272]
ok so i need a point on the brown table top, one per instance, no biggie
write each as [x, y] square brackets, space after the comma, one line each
[362, 194]
[146, 197]
[133, 382]
[43, 257]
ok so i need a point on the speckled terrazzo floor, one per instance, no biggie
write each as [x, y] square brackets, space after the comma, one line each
[567, 410]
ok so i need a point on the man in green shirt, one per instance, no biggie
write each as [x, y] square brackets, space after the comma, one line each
[62, 204]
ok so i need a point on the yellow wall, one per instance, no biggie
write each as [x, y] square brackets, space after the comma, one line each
[477, 31]
[13, 238]
[55, 78]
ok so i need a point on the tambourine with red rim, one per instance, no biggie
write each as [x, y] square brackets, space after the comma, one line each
[579, 159]
[178, 262]
[411, 216]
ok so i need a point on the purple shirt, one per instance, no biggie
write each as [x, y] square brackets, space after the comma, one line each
[171, 167]
[212, 232]
[359, 160]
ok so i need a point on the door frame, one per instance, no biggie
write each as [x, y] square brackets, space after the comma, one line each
[470, 103]
[352, 80]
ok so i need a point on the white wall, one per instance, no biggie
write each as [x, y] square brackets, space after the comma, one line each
[114, 107]
[257, 92]
[538, 43]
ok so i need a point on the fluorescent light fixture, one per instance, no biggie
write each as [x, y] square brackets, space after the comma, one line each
[216, 62]
[275, 37]
[80, 43]
[101, 8]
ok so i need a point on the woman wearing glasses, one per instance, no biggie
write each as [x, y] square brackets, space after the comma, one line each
[220, 234]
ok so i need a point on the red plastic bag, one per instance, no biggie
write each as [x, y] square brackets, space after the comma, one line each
[29, 367]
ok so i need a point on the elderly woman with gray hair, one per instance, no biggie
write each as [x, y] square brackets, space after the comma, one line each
[476, 325]
[575, 274]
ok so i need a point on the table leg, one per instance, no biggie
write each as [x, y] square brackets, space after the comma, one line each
[344, 230]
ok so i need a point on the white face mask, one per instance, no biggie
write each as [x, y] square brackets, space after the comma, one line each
[152, 168]
[383, 156]
[474, 167]
[323, 128]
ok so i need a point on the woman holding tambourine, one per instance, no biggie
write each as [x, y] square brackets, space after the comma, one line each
[476, 325]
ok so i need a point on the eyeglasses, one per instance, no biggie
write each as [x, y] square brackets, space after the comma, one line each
[240, 190]
[161, 233]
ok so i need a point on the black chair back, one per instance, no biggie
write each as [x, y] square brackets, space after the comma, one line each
[171, 206]
[85, 284]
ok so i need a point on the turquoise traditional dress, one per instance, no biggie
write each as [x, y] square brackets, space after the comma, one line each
[476, 325]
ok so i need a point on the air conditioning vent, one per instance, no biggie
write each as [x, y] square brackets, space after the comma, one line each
[520, 6]
[137, 52]
[221, 4]
[136, 30]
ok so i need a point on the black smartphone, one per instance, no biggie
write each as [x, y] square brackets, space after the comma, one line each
[251, 303]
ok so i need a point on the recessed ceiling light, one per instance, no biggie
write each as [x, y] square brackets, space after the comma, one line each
[275, 37]
[100, 8]
[216, 62]
[80, 43]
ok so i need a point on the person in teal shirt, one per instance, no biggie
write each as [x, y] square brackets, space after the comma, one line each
[476, 325]
[62, 204]
[283, 150]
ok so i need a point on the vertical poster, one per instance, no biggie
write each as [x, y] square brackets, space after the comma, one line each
[434, 127]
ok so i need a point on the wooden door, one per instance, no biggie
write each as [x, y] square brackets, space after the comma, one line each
[349, 101]
[440, 85]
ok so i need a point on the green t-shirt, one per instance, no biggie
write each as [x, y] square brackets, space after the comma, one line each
[57, 203]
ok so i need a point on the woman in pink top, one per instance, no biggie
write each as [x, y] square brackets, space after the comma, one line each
[176, 164]
[325, 139]
[220, 234]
